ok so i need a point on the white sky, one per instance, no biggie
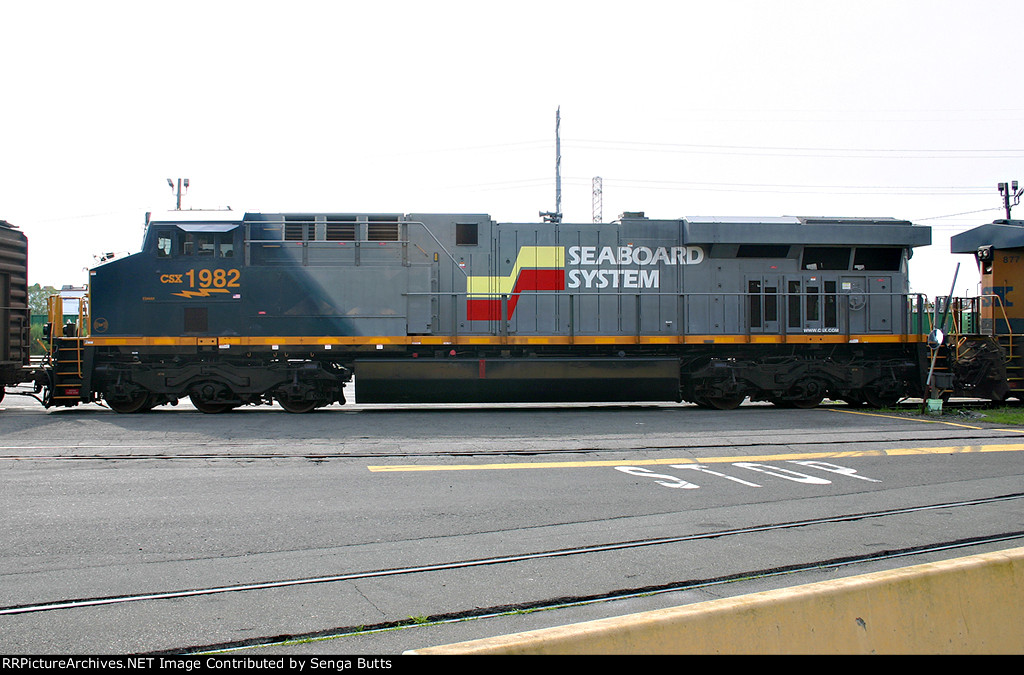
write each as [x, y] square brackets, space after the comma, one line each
[729, 108]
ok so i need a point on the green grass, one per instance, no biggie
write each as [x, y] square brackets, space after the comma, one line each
[1010, 416]
[1003, 415]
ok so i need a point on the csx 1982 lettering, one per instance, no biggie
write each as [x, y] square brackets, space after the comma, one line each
[204, 278]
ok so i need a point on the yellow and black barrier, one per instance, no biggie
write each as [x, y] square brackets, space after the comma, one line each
[971, 605]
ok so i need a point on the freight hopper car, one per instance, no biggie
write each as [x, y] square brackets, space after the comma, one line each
[230, 309]
[14, 312]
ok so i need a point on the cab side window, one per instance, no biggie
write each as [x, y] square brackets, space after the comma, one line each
[164, 241]
[186, 244]
[205, 244]
[226, 245]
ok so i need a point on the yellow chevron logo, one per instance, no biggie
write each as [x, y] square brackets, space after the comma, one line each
[203, 293]
[530, 257]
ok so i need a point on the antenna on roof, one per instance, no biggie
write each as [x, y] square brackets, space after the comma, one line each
[556, 215]
[1008, 191]
[171, 183]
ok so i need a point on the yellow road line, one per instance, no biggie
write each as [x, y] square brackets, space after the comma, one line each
[908, 419]
[896, 452]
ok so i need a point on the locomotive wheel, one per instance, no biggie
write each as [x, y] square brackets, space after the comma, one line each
[139, 402]
[877, 399]
[297, 406]
[209, 408]
[806, 394]
[807, 403]
[725, 402]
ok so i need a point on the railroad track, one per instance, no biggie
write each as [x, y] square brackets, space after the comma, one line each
[147, 536]
[71, 604]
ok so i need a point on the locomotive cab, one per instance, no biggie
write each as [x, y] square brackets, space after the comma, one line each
[185, 281]
[998, 248]
[994, 356]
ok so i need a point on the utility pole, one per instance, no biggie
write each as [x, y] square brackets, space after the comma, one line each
[171, 183]
[556, 215]
[1008, 191]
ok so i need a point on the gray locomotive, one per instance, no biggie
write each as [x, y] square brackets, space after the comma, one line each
[231, 309]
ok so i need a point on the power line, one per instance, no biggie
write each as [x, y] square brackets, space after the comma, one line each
[638, 183]
[83, 216]
[954, 215]
[904, 190]
[798, 151]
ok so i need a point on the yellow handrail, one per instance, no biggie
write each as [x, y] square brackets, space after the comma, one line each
[54, 313]
[83, 317]
[957, 322]
[1006, 320]
[55, 317]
